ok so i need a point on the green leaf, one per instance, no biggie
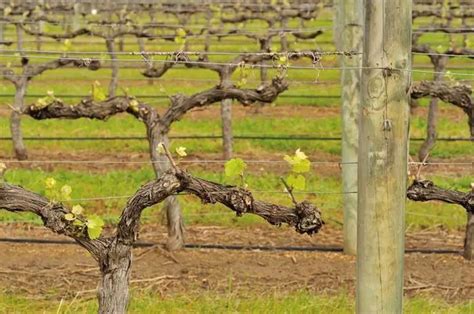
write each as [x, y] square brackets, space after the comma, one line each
[297, 182]
[243, 72]
[98, 94]
[94, 226]
[299, 162]
[134, 105]
[69, 217]
[67, 45]
[77, 210]
[302, 166]
[181, 151]
[7, 11]
[50, 183]
[78, 223]
[235, 167]
[41, 103]
[66, 191]
[94, 221]
[94, 233]
[282, 60]
[160, 148]
[180, 32]
[179, 40]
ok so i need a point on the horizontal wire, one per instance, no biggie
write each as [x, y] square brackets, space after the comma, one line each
[231, 42]
[151, 25]
[428, 215]
[217, 53]
[217, 137]
[441, 28]
[164, 78]
[128, 22]
[148, 36]
[233, 247]
[217, 161]
[102, 198]
[167, 97]
[316, 67]
[444, 54]
[193, 53]
[220, 161]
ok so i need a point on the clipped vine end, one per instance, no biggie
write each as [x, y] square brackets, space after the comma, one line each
[309, 218]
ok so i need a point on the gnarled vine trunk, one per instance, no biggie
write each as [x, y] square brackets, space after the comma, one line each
[469, 240]
[114, 64]
[425, 190]
[171, 206]
[115, 267]
[439, 63]
[15, 120]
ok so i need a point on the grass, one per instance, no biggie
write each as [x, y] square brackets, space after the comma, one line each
[297, 302]
[248, 124]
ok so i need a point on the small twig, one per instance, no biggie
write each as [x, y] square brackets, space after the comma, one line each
[154, 279]
[170, 158]
[419, 287]
[289, 190]
[168, 254]
[15, 109]
[420, 167]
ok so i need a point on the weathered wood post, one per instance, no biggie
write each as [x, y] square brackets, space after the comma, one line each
[469, 240]
[2, 25]
[227, 136]
[350, 19]
[382, 161]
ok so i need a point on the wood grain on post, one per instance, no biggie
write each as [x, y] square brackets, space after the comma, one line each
[382, 161]
[226, 120]
[350, 17]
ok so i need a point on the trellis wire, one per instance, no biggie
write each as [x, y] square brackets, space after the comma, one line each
[149, 26]
[167, 97]
[194, 53]
[315, 67]
[220, 161]
[218, 53]
[207, 246]
[215, 137]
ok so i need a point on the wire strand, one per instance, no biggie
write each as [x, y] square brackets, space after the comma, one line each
[220, 161]
[268, 66]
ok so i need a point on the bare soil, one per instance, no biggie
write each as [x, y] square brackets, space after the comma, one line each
[57, 271]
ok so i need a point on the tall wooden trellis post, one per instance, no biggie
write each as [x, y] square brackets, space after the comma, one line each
[349, 31]
[382, 160]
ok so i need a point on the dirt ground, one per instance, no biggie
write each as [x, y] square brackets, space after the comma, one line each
[57, 271]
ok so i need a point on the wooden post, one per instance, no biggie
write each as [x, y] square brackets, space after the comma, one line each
[469, 240]
[382, 161]
[350, 19]
[76, 17]
[227, 137]
[2, 26]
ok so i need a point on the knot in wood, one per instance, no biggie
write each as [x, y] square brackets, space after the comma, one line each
[241, 201]
[309, 218]
[418, 189]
